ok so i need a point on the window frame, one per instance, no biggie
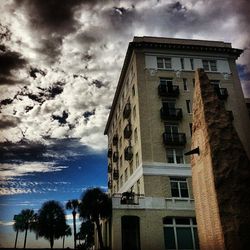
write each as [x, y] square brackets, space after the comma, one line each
[179, 181]
[174, 155]
[166, 62]
[210, 65]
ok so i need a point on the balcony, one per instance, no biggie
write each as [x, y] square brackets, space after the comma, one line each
[129, 198]
[165, 90]
[109, 153]
[127, 111]
[115, 140]
[128, 153]
[109, 184]
[109, 168]
[174, 139]
[171, 114]
[115, 156]
[221, 93]
[115, 174]
[127, 131]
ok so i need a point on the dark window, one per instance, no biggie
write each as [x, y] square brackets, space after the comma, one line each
[182, 63]
[192, 63]
[185, 87]
[189, 109]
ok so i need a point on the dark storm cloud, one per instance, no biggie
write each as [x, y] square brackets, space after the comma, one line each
[10, 60]
[8, 121]
[6, 102]
[98, 83]
[33, 72]
[5, 33]
[87, 114]
[61, 119]
[29, 151]
[243, 72]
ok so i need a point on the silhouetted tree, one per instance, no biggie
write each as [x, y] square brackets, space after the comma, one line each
[17, 226]
[95, 205]
[28, 220]
[73, 205]
[51, 221]
[87, 233]
[67, 232]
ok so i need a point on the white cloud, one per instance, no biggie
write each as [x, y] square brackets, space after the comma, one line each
[9, 171]
[6, 223]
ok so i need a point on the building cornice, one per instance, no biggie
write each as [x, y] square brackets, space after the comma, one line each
[172, 44]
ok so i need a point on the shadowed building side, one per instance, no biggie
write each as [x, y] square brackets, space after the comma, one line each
[220, 174]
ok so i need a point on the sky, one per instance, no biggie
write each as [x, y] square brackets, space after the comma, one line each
[60, 62]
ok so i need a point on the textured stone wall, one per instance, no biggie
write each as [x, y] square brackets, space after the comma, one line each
[221, 173]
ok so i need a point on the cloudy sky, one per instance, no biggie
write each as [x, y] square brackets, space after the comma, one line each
[59, 66]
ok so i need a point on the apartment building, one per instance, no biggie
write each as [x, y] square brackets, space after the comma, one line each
[149, 129]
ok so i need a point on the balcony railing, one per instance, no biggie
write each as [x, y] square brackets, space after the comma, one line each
[127, 131]
[171, 114]
[115, 156]
[129, 198]
[110, 153]
[115, 140]
[127, 111]
[109, 184]
[177, 139]
[109, 168]
[128, 153]
[221, 93]
[115, 174]
[165, 90]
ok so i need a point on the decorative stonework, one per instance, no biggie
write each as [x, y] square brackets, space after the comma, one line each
[221, 173]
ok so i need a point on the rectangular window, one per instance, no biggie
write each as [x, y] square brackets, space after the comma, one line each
[131, 168]
[193, 82]
[121, 161]
[135, 135]
[120, 142]
[185, 86]
[133, 90]
[189, 108]
[164, 63]
[182, 63]
[175, 156]
[126, 174]
[134, 112]
[137, 160]
[192, 63]
[121, 180]
[180, 234]
[209, 65]
[179, 188]
[138, 187]
[190, 128]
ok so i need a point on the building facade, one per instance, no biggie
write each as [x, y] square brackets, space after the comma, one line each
[149, 129]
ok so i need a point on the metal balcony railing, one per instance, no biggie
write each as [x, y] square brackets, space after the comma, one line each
[115, 140]
[165, 90]
[128, 153]
[176, 139]
[115, 156]
[127, 111]
[109, 168]
[115, 174]
[110, 153]
[171, 114]
[127, 131]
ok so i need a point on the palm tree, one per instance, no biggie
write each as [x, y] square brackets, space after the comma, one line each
[73, 205]
[17, 226]
[87, 233]
[67, 232]
[51, 221]
[95, 205]
[28, 219]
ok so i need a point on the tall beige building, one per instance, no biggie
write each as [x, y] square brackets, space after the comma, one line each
[149, 129]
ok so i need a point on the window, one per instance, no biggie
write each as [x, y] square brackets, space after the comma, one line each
[126, 174]
[136, 160]
[182, 63]
[189, 108]
[175, 156]
[185, 86]
[209, 65]
[192, 63]
[134, 112]
[180, 233]
[135, 135]
[164, 63]
[190, 128]
[120, 160]
[121, 180]
[133, 90]
[193, 82]
[179, 188]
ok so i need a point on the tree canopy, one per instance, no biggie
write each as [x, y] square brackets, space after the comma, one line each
[51, 221]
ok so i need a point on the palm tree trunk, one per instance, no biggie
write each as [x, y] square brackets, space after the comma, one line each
[51, 240]
[99, 232]
[63, 241]
[74, 224]
[16, 238]
[25, 238]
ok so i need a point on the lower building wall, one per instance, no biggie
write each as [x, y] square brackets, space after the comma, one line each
[151, 226]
